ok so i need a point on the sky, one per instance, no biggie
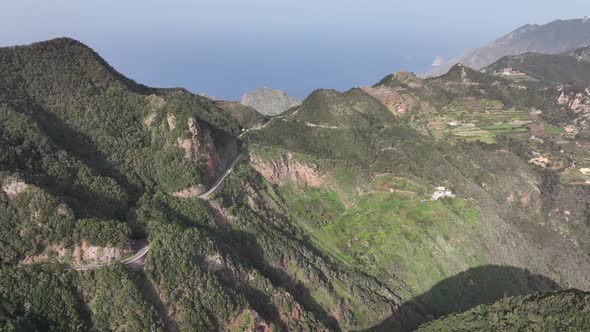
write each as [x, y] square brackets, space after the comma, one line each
[225, 48]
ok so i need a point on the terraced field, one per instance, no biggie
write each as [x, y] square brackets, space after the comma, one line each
[392, 226]
[471, 119]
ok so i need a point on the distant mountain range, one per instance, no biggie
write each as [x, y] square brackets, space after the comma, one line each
[268, 101]
[553, 38]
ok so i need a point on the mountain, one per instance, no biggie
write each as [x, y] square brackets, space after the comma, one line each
[92, 163]
[378, 208]
[571, 67]
[375, 176]
[268, 101]
[552, 38]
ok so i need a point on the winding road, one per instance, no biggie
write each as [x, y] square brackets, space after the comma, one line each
[144, 247]
[219, 183]
[256, 127]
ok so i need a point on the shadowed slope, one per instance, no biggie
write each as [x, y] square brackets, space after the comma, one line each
[554, 311]
[481, 285]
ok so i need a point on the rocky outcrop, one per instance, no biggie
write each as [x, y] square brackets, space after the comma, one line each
[269, 102]
[579, 103]
[192, 191]
[192, 145]
[201, 146]
[79, 254]
[287, 169]
[86, 253]
[396, 102]
[409, 79]
[13, 188]
[214, 156]
[171, 119]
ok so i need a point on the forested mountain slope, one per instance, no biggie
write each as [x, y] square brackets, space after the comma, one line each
[362, 209]
[447, 180]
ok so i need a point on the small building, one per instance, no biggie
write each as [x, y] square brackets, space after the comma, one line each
[441, 192]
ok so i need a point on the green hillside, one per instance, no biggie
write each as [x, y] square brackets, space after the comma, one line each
[374, 210]
[359, 210]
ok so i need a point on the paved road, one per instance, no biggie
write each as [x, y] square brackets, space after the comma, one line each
[144, 247]
[219, 183]
[139, 254]
[256, 127]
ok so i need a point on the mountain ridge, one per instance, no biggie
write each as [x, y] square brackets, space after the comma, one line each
[554, 37]
[336, 215]
[564, 68]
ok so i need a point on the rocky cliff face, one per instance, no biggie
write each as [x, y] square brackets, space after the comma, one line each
[395, 97]
[269, 102]
[79, 255]
[552, 38]
[287, 169]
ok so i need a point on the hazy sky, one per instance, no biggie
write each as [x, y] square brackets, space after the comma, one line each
[227, 47]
